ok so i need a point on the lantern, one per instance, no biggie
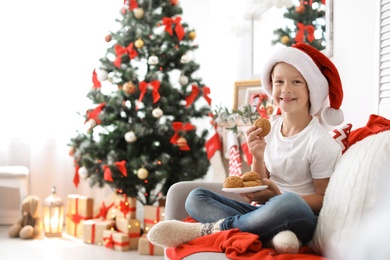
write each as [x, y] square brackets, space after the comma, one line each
[53, 215]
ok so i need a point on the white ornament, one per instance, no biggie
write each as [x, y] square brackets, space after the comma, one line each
[183, 80]
[102, 75]
[83, 172]
[130, 137]
[157, 112]
[184, 59]
[153, 60]
[183, 102]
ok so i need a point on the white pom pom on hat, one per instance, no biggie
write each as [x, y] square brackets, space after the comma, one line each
[321, 75]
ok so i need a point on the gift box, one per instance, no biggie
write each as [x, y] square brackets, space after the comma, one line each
[152, 215]
[93, 230]
[78, 209]
[147, 248]
[125, 207]
[104, 211]
[116, 240]
[131, 227]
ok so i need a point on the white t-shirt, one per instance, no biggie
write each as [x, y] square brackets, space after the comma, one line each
[293, 162]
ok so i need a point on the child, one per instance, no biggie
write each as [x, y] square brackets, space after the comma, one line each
[295, 160]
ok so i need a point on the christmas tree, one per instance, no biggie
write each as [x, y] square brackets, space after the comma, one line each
[141, 137]
[307, 24]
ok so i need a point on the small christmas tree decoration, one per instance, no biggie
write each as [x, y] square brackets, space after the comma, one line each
[192, 35]
[183, 80]
[157, 112]
[130, 137]
[128, 88]
[108, 38]
[285, 39]
[83, 172]
[153, 60]
[181, 142]
[142, 173]
[139, 43]
[139, 13]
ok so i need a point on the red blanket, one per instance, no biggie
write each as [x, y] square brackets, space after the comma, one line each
[236, 245]
[375, 125]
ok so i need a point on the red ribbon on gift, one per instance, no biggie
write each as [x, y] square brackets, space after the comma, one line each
[76, 177]
[179, 30]
[121, 167]
[94, 113]
[76, 218]
[95, 81]
[119, 51]
[213, 145]
[151, 249]
[103, 210]
[124, 207]
[109, 241]
[155, 85]
[93, 233]
[153, 221]
[179, 126]
[195, 91]
[301, 32]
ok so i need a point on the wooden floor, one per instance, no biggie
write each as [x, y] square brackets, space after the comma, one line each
[66, 247]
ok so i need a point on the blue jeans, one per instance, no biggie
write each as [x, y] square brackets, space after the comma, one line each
[283, 212]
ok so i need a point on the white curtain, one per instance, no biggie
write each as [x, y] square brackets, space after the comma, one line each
[48, 51]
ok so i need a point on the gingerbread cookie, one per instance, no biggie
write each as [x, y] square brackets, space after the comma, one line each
[250, 176]
[233, 182]
[252, 183]
[263, 124]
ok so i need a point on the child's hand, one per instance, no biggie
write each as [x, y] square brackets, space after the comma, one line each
[255, 143]
[261, 197]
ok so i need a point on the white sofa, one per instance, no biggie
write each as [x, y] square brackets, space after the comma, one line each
[351, 197]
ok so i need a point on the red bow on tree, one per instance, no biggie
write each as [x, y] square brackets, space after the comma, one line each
[132, 5]
[95, 81]
[76, 178]
[195, 91]
[94, 113]
[179, 126]
[121, 167]
[119, 51]
[155, 85]
[301, 32]
[107, 173]
[179, 30]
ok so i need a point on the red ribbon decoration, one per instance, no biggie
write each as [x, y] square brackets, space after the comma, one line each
[103, 210]
[124, 207]
[76, 218]
[121, 167]
[195, 91]
[179, 126]
[179, 30]
[76, 177]
[94, 113]
[262, 112]
[247, 153]
[143, 86]
[213, 145]
[95, 81]
[119, 51]
[132, 5]
[109, 242]
[107, 173]
[301, 32]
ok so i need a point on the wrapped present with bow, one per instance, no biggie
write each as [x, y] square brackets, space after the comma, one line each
[78, 209]
[125, 207]
[116, 240]
[147, 248]
[131, 227]
[152, 215]
[93, 230]
[107, 209]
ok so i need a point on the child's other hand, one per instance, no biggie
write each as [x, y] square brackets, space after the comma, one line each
[261, 197]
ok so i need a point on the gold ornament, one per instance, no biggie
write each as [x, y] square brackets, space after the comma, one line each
[139, 13]
[192, 35]
[142, 173]
[284, 39]
[129, 88]
[139, 43]
[181, 142]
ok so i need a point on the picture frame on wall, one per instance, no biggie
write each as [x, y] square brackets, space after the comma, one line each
[241, 88]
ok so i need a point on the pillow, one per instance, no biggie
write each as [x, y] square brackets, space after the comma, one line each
[341, 136]
[351, 194]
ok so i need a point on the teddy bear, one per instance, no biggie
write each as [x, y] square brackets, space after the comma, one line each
[30, 225]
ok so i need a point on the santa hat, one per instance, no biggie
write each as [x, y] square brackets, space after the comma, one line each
[321, 76]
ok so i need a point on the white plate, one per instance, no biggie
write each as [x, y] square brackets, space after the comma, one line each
[245, 189]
